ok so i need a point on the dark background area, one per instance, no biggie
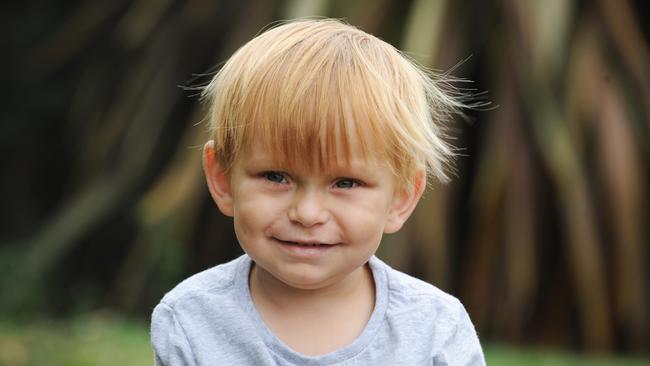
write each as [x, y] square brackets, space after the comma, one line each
[543, 234]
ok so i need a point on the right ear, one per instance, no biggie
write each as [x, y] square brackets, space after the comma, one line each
[217, 179]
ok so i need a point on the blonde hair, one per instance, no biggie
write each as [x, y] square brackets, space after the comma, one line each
[306, 89]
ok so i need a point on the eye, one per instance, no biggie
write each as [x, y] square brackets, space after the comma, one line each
[275, 177]
[346, 183]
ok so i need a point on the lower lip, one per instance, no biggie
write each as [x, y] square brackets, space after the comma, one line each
[305, 251]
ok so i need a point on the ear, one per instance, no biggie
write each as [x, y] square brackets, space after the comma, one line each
[404, 203]
[217, 179]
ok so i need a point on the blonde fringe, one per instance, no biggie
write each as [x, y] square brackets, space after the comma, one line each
[312, 91]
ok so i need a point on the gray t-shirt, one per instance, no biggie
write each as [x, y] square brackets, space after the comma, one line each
[210, 319]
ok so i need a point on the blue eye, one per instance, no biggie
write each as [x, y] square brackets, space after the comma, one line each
[274, 177]
[346, 183]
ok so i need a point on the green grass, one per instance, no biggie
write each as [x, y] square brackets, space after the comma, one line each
[93, 340]
[102, 339]
[509, 356]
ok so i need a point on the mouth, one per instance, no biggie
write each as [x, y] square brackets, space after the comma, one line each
[305, 250]
[305, 243]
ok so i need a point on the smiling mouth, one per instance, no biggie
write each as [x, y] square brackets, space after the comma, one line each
[304, 244]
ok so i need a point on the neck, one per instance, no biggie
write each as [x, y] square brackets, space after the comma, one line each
[268, 290]
[315, 321]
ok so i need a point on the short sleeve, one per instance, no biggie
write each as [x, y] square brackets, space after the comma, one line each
[168, 339]
[462, 347]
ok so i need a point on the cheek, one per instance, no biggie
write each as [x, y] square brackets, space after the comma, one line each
[247, 220]
[254, 215]
[365, 220]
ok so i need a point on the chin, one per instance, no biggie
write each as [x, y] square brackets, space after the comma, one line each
[306, 282]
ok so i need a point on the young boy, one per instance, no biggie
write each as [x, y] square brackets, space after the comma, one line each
[322, 140]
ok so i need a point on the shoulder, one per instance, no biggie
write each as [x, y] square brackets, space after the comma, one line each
[412, 298]
[207, 297]
[210, 282]
[433, 321]
[203, 317]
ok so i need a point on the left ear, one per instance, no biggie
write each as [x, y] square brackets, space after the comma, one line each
[404, 203]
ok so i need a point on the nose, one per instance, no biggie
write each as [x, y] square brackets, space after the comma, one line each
[308, 208]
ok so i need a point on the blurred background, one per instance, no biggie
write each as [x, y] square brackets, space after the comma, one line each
[543, 234]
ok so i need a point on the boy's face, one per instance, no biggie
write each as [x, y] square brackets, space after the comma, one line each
[309, 229]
